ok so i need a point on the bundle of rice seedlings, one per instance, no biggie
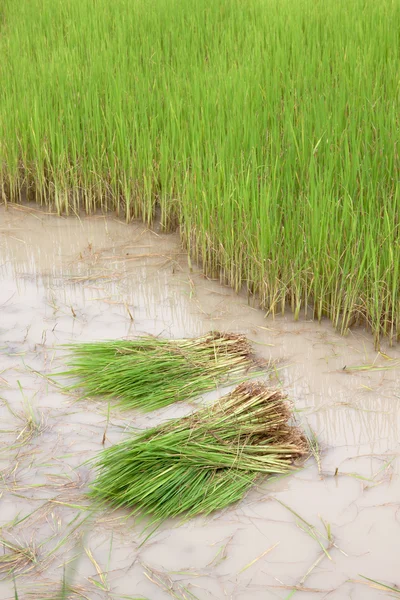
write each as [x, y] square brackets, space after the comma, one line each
[149, 372]
[205, 461]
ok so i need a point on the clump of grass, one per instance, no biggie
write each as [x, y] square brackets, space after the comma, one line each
[16, 558]
[31, 423]
[205, 461]
[149, 372]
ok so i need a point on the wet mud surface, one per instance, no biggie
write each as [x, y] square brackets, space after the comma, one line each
[311, 535]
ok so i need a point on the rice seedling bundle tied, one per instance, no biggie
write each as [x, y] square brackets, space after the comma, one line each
[205, 461]
[268, 130]
[151, 372]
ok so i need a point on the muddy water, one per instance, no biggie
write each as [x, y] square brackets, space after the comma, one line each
[69, 279]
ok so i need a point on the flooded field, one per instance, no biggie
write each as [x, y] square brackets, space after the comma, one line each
[315, 534]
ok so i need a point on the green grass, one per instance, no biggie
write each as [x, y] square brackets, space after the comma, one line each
[150, 372]
[202, 462]
[267, 129]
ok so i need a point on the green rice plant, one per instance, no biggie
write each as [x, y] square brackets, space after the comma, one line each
[150, 372]
[205, 461]
[267, 130]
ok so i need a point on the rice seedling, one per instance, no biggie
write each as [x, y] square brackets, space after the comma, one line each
[205, 461]
[149, 372]
[268, 130]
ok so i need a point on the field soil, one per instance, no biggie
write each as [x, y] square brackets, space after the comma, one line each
[311, 535]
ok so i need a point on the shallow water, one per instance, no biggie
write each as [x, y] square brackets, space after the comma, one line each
[69, 279]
